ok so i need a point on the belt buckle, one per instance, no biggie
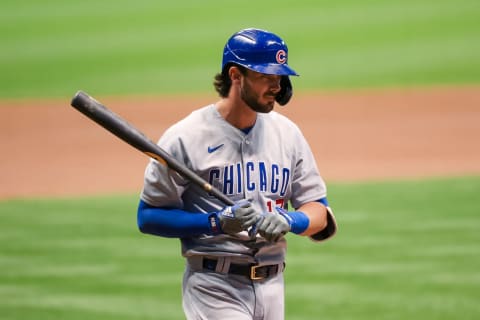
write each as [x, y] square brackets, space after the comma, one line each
[253, 273]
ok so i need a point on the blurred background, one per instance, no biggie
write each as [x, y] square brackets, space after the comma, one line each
[408, 238]
[52, 48]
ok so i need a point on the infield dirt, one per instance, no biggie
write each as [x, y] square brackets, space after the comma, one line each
[49, 149]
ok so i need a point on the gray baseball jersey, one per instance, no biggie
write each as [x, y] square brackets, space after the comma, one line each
[271, 165]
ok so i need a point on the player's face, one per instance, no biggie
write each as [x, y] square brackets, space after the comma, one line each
[259, 90]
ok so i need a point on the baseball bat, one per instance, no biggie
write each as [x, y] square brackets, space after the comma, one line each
[134, 137]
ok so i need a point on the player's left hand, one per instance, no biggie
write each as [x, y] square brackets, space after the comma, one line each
[237, 218]
[273, 225]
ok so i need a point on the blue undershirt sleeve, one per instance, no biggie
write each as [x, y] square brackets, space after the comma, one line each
[174, 223]
[323, 201]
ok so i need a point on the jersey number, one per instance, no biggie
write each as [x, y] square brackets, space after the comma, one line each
[277, 203]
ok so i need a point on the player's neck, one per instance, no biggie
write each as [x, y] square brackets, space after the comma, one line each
[238, 115]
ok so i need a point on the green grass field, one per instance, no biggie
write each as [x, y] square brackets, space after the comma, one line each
[54, 48]
[405, 250]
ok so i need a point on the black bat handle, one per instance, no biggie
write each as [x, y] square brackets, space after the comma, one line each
[128, 133]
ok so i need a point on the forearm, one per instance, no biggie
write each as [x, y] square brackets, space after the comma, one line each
[322, 224]
[316, 213]
[173, 223]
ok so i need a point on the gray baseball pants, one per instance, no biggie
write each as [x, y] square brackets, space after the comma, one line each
[212, 295]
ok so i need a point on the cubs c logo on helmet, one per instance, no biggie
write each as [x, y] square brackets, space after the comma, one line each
[281, 56]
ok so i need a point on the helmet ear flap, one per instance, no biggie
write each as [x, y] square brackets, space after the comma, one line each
[286, 91]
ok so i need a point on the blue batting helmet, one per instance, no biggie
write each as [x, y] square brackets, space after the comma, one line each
[258, 50]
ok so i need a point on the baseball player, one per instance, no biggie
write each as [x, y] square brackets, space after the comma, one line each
[235, 255]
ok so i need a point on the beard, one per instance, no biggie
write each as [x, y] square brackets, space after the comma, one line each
[252, 100]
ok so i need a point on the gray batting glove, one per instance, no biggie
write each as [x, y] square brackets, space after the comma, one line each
[237, 218]
[273, 226]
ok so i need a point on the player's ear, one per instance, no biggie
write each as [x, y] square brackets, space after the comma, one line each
[234, 73]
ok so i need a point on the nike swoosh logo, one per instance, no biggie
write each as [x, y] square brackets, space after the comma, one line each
[213, 149]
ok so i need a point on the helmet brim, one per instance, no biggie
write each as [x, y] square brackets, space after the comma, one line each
[273, 68]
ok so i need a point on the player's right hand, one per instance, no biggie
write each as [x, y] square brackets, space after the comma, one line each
[237, 218]
[273, 225]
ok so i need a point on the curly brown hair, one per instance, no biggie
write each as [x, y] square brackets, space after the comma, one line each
[222, 82]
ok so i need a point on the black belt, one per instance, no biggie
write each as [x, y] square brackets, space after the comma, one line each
[251, 271]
